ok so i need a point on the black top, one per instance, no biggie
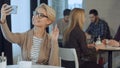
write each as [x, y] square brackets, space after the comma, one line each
[77, 40]
[117, 36]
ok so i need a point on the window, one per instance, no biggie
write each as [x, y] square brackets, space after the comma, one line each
[20, 22]
[74, 4]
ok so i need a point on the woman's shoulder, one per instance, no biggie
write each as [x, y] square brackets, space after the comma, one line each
[77, 30]
[77, 33]
[27, 33]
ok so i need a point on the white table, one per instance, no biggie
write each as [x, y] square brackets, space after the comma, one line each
[110, 49]
[35, 66]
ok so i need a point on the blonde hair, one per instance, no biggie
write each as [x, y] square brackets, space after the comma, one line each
[77, 17]
[49, 10]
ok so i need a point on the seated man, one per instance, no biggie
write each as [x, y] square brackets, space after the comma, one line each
[97, 27]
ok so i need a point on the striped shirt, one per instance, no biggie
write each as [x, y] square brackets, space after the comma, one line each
[35, 49]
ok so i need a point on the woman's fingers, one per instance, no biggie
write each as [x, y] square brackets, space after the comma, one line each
[6, 9]
[55, 33]
[8, 12]
[55, 29]
[4, 5]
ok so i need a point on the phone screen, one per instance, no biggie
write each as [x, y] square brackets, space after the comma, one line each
[14, 9]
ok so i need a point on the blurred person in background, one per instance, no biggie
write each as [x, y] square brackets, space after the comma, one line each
[74, 37]
[62, 24]
[97, 27]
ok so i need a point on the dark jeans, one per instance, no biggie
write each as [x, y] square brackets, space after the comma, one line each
[90, 64]
[87, 64]
[68, 64]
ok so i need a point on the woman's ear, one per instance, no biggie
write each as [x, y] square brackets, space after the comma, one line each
[49, 22]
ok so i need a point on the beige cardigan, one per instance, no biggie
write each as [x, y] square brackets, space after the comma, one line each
[48, 53]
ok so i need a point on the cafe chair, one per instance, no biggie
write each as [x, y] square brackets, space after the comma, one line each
[69, 54]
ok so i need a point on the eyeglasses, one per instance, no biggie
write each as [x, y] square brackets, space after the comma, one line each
[40, 15]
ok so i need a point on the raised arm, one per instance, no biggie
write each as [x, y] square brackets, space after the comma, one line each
[11, 37]
[54, 54]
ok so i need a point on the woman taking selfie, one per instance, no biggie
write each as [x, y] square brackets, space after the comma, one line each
[36, 44]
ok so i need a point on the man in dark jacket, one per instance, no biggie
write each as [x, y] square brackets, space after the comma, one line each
[97, 27]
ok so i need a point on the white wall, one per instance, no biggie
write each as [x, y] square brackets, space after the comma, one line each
[109, 10]
[20, 22]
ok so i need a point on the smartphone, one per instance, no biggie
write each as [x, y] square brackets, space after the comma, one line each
[14, 9]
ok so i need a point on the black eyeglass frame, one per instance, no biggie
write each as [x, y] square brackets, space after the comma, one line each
[40, 15]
